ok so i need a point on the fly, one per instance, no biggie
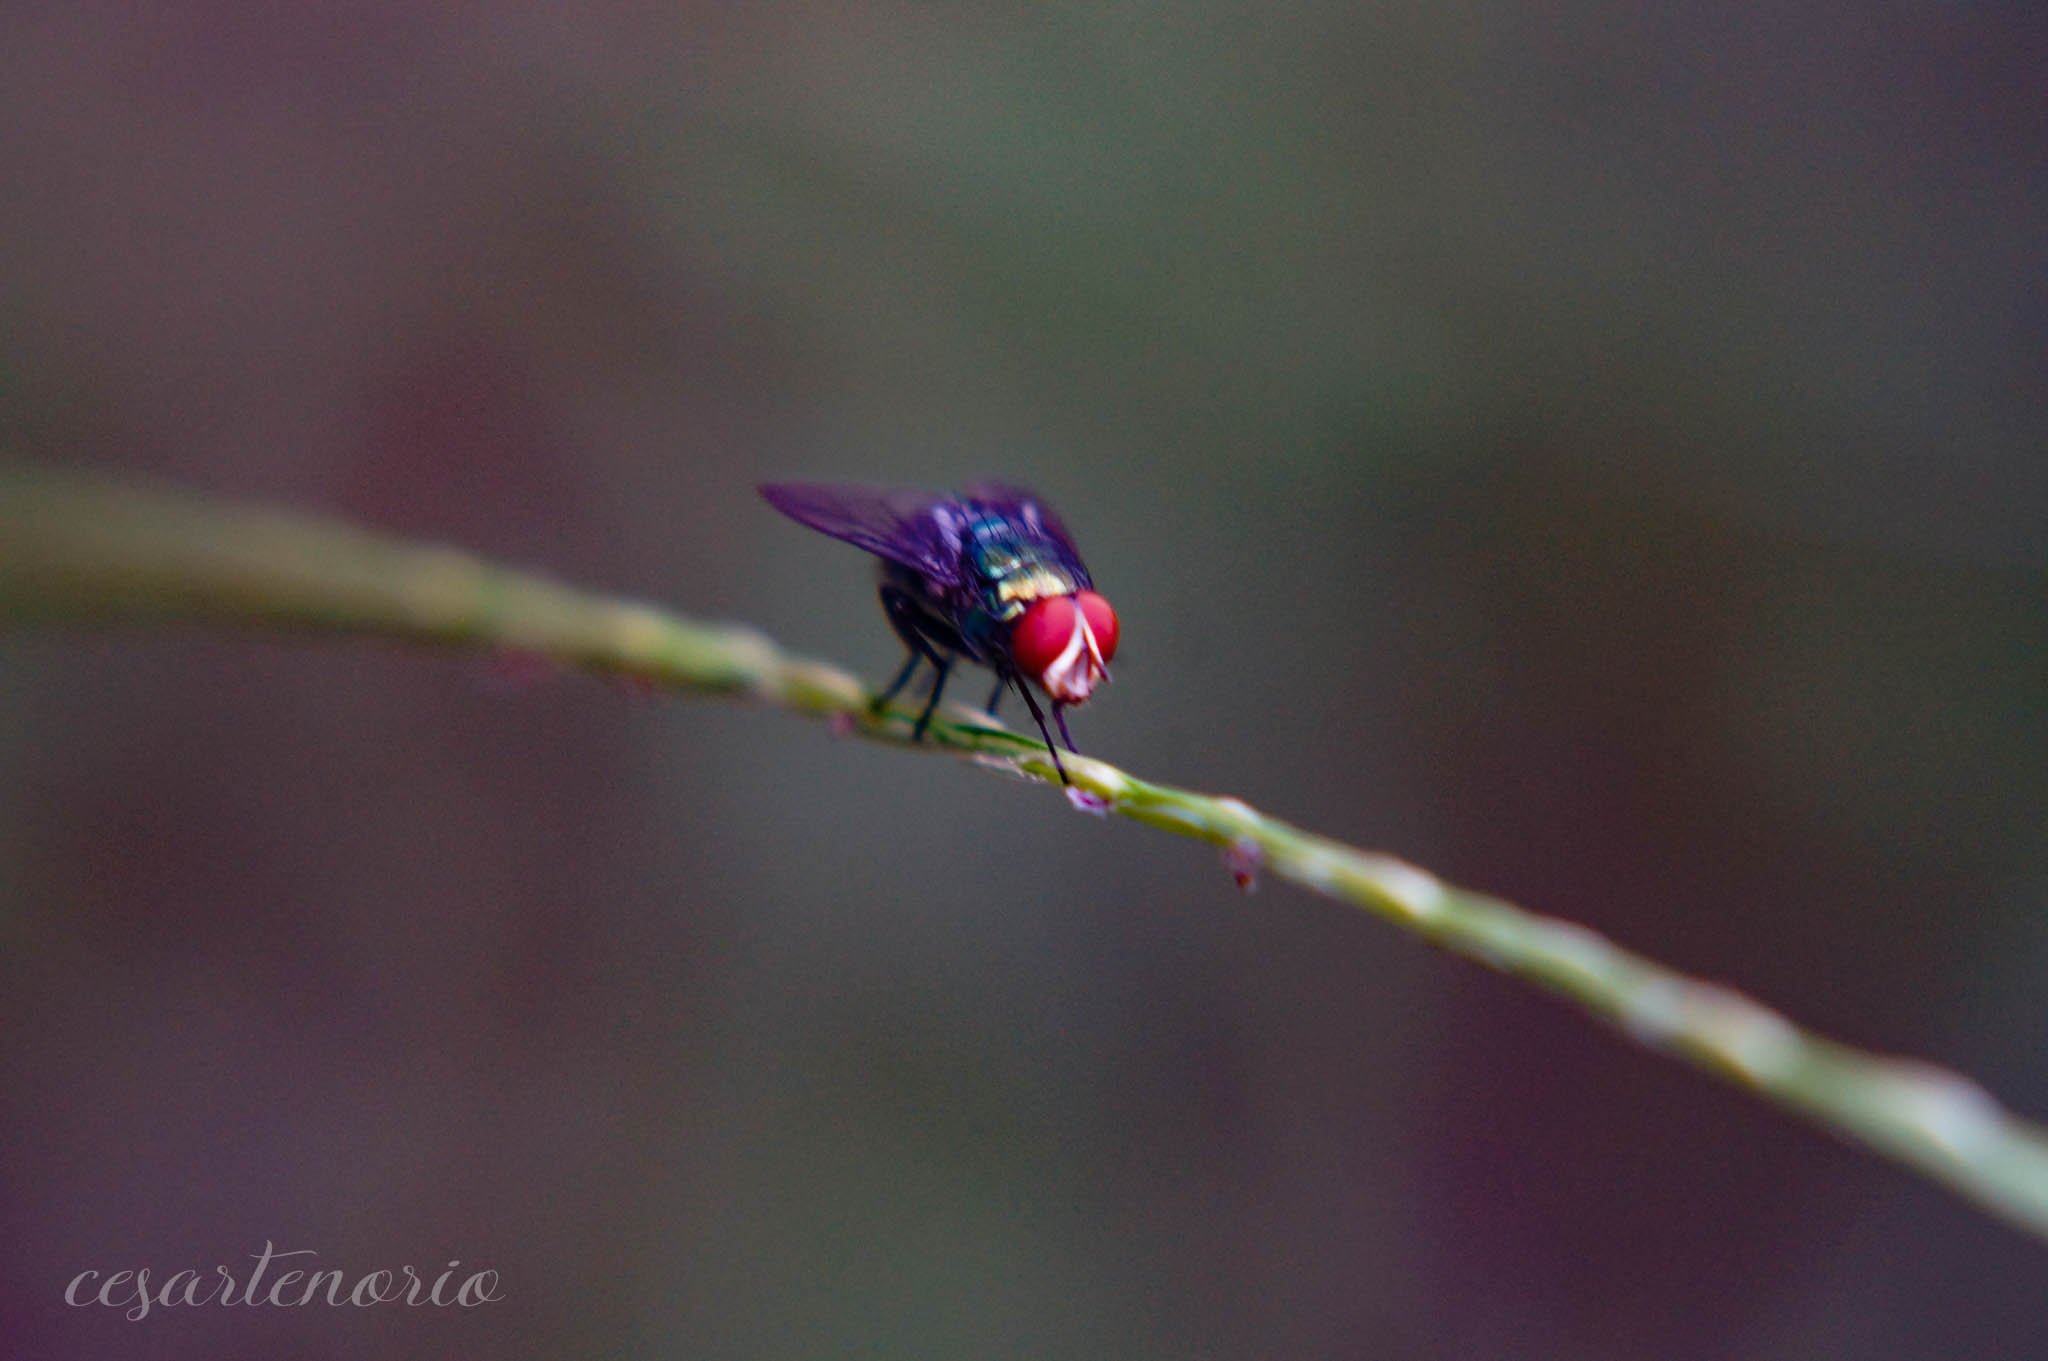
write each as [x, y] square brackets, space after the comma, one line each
[988, 576]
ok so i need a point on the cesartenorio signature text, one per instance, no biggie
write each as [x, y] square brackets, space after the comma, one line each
[137, 1292]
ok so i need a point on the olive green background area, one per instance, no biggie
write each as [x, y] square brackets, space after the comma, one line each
[1595, 454]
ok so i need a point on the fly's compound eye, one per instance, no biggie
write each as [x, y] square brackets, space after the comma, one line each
[1101, 622]
[1041, 633]
[1065, 643]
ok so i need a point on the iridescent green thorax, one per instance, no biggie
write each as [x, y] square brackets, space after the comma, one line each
[1017, 574]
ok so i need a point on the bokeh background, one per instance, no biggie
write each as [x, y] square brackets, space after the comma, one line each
[1595, 450]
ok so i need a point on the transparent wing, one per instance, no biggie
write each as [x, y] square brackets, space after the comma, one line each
[919, 529]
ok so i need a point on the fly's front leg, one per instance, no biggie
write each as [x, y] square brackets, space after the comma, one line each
[1059, 716]
[1050, 749]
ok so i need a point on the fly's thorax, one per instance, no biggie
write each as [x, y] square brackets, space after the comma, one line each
[1013, 576]
[1018, 592]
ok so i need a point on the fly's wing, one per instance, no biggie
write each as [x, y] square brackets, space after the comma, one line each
[919, 529]
[1015, 503]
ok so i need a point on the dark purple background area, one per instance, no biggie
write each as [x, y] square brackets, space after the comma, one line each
[1593, 450]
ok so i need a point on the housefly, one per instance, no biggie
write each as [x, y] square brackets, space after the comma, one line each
[988, 575]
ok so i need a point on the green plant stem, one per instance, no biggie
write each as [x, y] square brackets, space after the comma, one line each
[81, 548]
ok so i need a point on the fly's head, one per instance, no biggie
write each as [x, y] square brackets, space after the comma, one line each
[1064, 644]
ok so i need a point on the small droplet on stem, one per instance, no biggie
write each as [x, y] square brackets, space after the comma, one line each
[1245, 859]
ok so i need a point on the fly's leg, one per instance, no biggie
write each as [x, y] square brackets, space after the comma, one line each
[932, 703]
[1051, 750]
[903, 618]
[1002, 684]
[881, 701]
[1059, 716]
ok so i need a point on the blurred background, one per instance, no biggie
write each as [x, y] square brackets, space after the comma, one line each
[1593, 450]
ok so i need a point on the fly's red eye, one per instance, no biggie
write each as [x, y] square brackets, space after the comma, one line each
[1101, 622]
[1041, 634]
